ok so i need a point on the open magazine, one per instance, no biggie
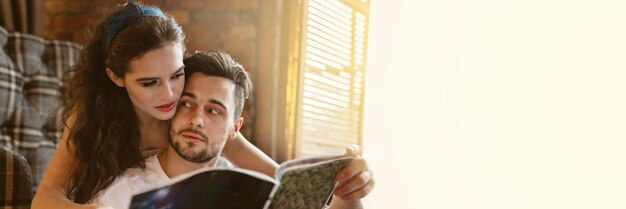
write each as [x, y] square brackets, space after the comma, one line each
[298, 183]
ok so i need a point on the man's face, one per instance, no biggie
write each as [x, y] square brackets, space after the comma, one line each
[205, 118]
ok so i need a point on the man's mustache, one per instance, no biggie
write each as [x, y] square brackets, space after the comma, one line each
[195, 131]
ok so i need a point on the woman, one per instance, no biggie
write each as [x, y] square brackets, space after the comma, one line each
[118, 101]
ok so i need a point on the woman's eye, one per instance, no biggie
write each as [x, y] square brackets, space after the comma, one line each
[148, 84]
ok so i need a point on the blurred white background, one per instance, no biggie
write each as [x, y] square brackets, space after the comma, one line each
[497, 104]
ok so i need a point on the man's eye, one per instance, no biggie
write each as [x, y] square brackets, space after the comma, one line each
[213, 111]
[148, 84]
[185, 104]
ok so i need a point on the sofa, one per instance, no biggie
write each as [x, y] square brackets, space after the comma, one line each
[31, 70]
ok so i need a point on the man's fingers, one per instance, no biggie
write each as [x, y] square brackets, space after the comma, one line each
[356, 166]
[360, 193]
[353, 184]
[353, 151]
[355, 181]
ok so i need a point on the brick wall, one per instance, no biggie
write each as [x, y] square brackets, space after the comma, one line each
[227, 25]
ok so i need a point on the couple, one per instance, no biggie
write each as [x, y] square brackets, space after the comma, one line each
[118, 103]
[209, 114]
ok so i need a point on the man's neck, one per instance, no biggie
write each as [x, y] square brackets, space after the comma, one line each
[174, 165]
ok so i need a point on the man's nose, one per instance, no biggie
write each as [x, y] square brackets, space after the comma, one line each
[196, 119]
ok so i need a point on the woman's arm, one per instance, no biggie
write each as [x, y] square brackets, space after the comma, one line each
[245, 155]
[51, 192]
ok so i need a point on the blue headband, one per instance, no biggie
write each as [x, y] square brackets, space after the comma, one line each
[130, 13]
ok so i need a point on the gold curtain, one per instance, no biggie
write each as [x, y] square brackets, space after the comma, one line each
[22, 15]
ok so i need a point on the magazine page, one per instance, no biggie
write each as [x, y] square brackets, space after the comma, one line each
[307, 185]
[209, 188]
[304, 161]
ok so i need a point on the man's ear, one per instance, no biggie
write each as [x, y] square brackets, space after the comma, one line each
[117, 80]
[236, 127]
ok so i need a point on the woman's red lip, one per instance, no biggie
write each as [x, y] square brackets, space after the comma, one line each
[167, 107]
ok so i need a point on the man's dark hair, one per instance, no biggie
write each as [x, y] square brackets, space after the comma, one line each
[220, 64]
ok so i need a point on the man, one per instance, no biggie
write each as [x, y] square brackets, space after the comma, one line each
[209, 113]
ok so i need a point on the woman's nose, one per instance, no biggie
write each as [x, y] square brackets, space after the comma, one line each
[166, 91]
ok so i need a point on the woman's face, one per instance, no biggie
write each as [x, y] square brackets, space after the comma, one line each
[155, 82]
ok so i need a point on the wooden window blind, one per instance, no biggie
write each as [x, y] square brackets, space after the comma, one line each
[330, 89]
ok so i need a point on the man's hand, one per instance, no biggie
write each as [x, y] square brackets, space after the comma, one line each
[355, 181]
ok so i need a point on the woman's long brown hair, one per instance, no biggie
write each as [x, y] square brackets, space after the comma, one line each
[105, 133]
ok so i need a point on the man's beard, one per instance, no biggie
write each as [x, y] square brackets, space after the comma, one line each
[189, 155]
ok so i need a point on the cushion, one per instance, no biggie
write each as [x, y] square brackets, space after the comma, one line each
[33, 127]
[15, 174]
[11, 84]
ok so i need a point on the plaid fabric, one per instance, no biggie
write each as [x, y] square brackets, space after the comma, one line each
[15, 180]
[32, 127]
[10, 85]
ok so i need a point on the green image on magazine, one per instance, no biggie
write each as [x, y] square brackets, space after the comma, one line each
[299, 183]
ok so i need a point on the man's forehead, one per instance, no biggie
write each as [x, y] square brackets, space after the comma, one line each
[201, 86]
[200, 80]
